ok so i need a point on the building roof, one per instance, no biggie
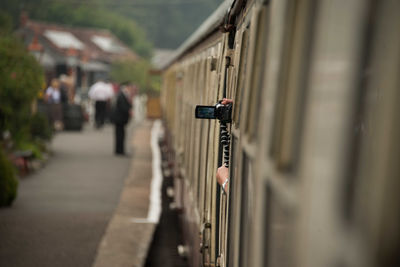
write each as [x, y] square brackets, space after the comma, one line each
[86, 44]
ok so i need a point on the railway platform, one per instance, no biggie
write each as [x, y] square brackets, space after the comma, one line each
[130, 231]
[144, 231]
[88, 207]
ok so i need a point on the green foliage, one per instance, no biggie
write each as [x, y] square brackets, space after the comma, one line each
[136, 72]
[34, 147]
[166, 23]
[133, 71]
[8, 181]
[154, 84]
[90, 13]
[98, 17]
[40, 127]
[21, 79]
[6, 24]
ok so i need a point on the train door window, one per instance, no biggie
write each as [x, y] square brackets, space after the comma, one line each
[254, 82]
[292, 83]
[197, 137]
[246, 210]
[201, 155]
[191, 134]
[193, 126]
[186, 140]
[359, 120]
[241, 74]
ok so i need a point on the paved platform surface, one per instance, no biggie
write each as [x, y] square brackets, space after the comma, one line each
[63, 211]
[129, 235]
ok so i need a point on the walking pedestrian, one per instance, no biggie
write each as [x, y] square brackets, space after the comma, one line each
[101, 92]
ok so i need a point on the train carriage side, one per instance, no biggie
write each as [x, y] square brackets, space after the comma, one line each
[194, 79]
[326, 185]
[314, 131]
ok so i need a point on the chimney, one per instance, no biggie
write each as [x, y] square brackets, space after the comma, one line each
[35, 45]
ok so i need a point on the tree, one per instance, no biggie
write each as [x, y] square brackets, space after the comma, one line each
[98, 17]
[89, 13]
[6, 24]
[8, 181]
[21, 79]
[136, 72]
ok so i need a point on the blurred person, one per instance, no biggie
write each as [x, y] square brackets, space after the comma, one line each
[64, 88]
[70, 82]
[121, 114]
[53, 99]
[101, 92]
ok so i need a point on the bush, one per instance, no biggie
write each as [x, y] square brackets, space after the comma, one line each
[8, 181]
[40, 127]
[5, 23]
[21, 79]
[138, 73]
[30, 146]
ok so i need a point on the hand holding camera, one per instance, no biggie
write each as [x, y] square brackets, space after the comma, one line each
[221, 111]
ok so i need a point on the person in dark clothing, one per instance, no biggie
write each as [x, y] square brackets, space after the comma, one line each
[100, 115]
[121, 116]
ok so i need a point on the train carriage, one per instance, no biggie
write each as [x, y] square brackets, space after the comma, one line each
[314, 147]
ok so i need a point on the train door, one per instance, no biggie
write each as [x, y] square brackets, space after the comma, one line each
[368, 199]
[377, 152]
[208, 220]
[204, 234]
[232, 225]
[274, 107]
[179, 132]
[230, 203]
[221, 197]
[244, 85]
[276, 170]
[250, 129]
[350, 139]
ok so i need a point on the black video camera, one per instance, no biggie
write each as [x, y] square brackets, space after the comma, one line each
[221, 112]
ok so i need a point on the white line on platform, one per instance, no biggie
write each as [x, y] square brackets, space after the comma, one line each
[153, 215]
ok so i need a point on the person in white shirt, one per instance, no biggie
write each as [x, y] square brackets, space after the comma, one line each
[53, 93]
[101, 92]
[53, 98]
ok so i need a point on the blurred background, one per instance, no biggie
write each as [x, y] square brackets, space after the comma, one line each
[74, 44]
[51, 53]
[314, 149]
